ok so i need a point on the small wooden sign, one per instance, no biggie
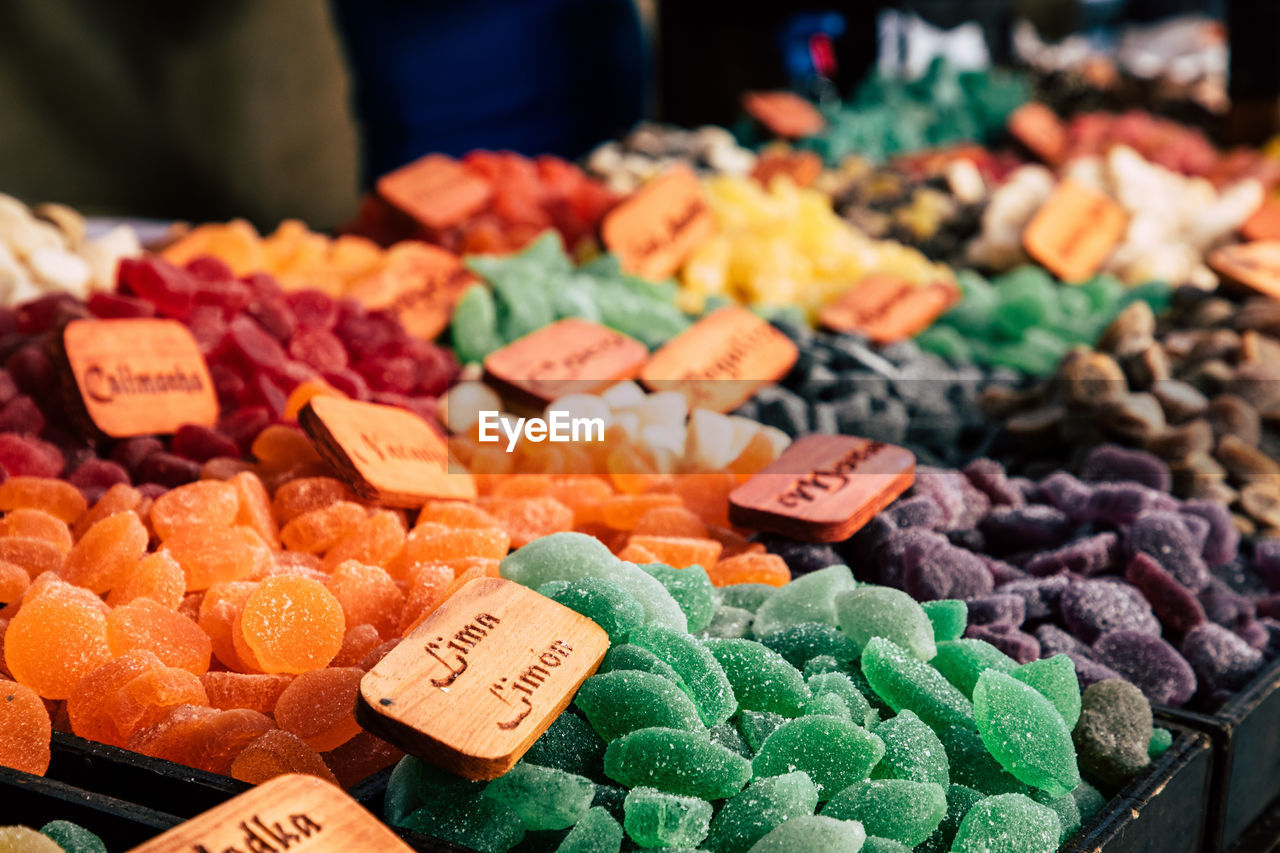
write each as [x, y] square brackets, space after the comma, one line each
[655, 229]
[384, 453]
[802, 167]
[420, 284]
[290, 812]
[436, 190]
[1253, 265]
[784, 113]
[1074, 231]
[823, 488]
[887, 308]
[140, 377]
[1265, 222]
[721, 360]
[572, 356]
[474, 685]
[1041, 131]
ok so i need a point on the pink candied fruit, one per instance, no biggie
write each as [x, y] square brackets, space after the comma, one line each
[24, 456]
[159, 282]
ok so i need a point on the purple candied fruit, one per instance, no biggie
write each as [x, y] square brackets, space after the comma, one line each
[1010, 529]
[132, 451]
[1064, 492]
[1165, 537]
[200, 443]
[32, 371]
[1255, 634]
[1112, 463]
[1272, 627]
[936, 569]
[27, 456]
[1018, 645]
[1039, 596]
[397, 375]
[1269, 607]
[1122, 503]
[1225, 606]
[1053, 640]
[228, 385]
[989, 477]
[1089, 671]
[1002, 572]
[1091, 608]
[22, 415]
[167, 470]
[961, 503]
[1266, 562]
[1221, 660]
[1150, 664]
[243, 425]
[997, 610]
[1223, 539]
[919, 511]
[1174, 605]
[889, 558]
[95, 476]
[1091, 555]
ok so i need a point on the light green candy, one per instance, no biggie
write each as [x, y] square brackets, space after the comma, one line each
[762, 806]
[762, 679]
[1055, 679]
[727, 735]
[729, 623]
[880, 611]
[474, 327]
[1025, 733]
[543, 797]
[813, 832]
[1089, 800]
[974, 767]
[826, 684]
[597, 832]
[962, 661]
[905, 811]
[691, 588]
[834, 752]
[655, 819]
[1008, 823]
[810, 598]
[617, 703]
[875, 844]
[1066, 809]
[959, 800]
[948, 616]
[805, 641]
[912, 751]
[627, 656]
[756, 726]
[677, 762]
[746, 596]
[709, 687]
[602, 601]
[569, 744]
[1161, 740]
[903, 681]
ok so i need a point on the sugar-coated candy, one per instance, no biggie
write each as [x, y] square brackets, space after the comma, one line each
[834, 752]
[596, 832]
[810, 598]
[948, 616]
[762, 806]
[1025, 733]
[1091, 608]
[1148, 662]
[657, 819]
[1161, 740]
[746, 596]
[841, 685]
[898, 809]
[933, 569]
[959, 800]
[1055, 679]
[106, 552]
[469, 820]
[709, 687]
[875, 844]
[628, 656]
[727, 735]
[1008, 823]
[602, 601]
[912, 751]
[24, 729]
[874, 611]
[803, 641]
[813, 832]
[319, 706]
[762, 679]
[962, 661]
[677, 762]
[903, 681]
[622, 701]
[569, 744]
[1113, 732]
[1088, 556]
[1165, 537]
[543, 797]
[729, 623]
[756, 726]
[973, 766]
[1220, 659]
[175, 639]
[291, 624]
[55, 640]
[1174, 605]
[22, 839]
[274, 753]
[691, 589]
[73, 838]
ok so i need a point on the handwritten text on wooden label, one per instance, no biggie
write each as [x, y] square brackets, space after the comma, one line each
[138, 377]
[1074, 231]
[1254, 265]
[291, 812]
[420, 284]
[784, 113]
[569, 357]
[823, 488]
[474, 685]
[384, 453]
[886, 308]
[436, 190]
[721, 360]
[655, 230]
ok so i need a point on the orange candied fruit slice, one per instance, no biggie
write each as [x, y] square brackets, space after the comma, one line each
[527, 519]
[431, 545]
[319, 707]
[118, 498]
[623, 512]
[224, 736]
[146, 698]
[304, 494]
[375, 541]
[106, 554]
[54, 641]
[275, 753]
[218, 613]
[25, 729]
[210, 555]
[427, 591]
[86, 706]
[157, 577]
[680, 551]
[172, 637]
[279, 448]
[255, 691]
[368, 596]
[356, 643]
[319, 530]
[37, 524]
[671, 521]
[291, 625]
[750, 567]
[35, 556]
[255, 508]
[175, 736]
[454, 514]
[56, 497]
[202, 503]
[14, 581]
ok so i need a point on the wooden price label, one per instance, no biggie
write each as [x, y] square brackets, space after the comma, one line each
[420, 284]
[721, 360]
[290, 812]
[474, 685]
[823, 488]
[1265, 222]
[139, 377]
[655, 229]
[802, 167]
[384, 453]
[569, 357]
[887, 308]
[784, 113]
[436, 190]
[1074, 231]
[1254, 265]
[1041, 131]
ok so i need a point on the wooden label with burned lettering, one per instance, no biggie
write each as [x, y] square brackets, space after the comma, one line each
[1254, 265]
[384, 453]
[824, 488]
[571, 356]
[784, 113]
[887, 308]
[140, 377]
[473, 686]
[1264, 224]
[290, 812]
[1074, 231]
[420, 284]
[721, 360]
[436, 190]
[654, 230]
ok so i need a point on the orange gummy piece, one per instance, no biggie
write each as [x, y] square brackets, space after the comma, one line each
[37, 524]
[361, 757]
[671, 521]
[49, 584]
[623, 512]
[634, 553]
[146, 698]
[427, 545]
[454, 514]
[298, 563]
[255, 691]
[219, 611]
[223, 468]
[319, 530]
[224, 736]
[584, 495]
[304, 393]
[430, 585]
[54, 641]
[750, 568]
[375, 657]
[368, 596]
[279, 448]
[157, 577]
[757, 453]
[36, 556]
[705, 494]
[275, 753]
[305, 494]
[174, 737]
[255, 508]
[356, 643]
[56, 497]
[733, 542]
[204, 502]
[86, 706]
[14, 581]
[292, 625]
[680, 552]
[375, 541]
[25, 729]
[175, 639]
[106, 553]
[319, 707]
[527, 519]
[118, 498]
[210, 555]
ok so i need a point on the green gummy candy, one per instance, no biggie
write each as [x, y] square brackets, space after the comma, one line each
[912, 751]
[474, 327]
[628, 656]
[747, 596]
[558, 557]
[610, 798]
[1025, 733]
[543, 797]
[962, 661]
[949, 618]
[617, 703]
[73, 838]
[691, 589]
[813, 832]
[602, 601]
[727, 735]
[829, 705]
[474, 821]
[841, 685]
[900, 809]
[677, 762]
[879, 611]
[875, 844]
[835, 753]
[820, 665]
[729, 623]
[1008, 823]
[756, 726]
[655, 819]
[762, 679]
[974, 767]
[959, 800]
[569, 744]
[1161, 740]
[903, 681]
[1089, 800]
[433, 784]
[805, 641]
[810, 598]
[1055, 679]
[402, 790]
[708, 685]
[597, 832]
[762, 806]
[1066, 809]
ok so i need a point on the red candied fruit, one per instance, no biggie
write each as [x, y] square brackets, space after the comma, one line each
[96, 476]
[32, 371]
[159, 282]
[313, 309]
[117, 306]
[25, 456]
[166, 469]
[256, 348]
[21, 414]
[200, 443]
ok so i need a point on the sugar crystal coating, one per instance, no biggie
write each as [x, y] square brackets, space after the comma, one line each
[691, 589]
[1092, 608]
[677, 762]
[883, 612]
[1025, 733]
[24, 729]
[810, 598]
[1113, 731]
[73, 838]
[1008, 823]
[841, 686]
[697, 666]
[834, 753]
[962, 661]
[803, 641]
[291, 624]
[898, 809]
[21, 839]
[949, 618]
[596, 832]
[911, 751]
[543, 797]
[1221, 660]
[762, 806]
[762, 679]
[813, 832]
[1149, 663]
[1055, 679]
[655, 819]
[602, 601]
[619, 702]
[902, 681]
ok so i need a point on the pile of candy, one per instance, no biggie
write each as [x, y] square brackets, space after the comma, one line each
[650, 149]
[57, 836]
